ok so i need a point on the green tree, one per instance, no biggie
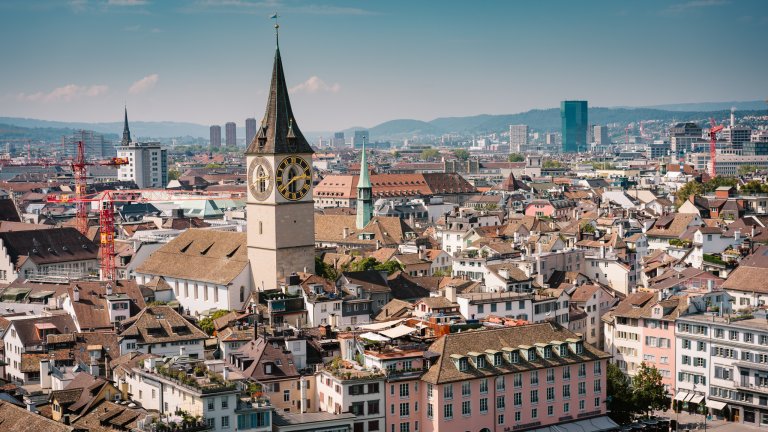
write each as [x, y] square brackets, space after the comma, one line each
[747, 169]
[587, 227]
[551, 163]
[396, 154]
[516, 157]
[648, 393]
[718, 181]
[620, 403]
[214, 165]
[325, 270]
[429, 153]
[173, 174]
[690, 188]
[389, 266]
[461, 154]
[754, 187]
[206, 324]
[371, 263]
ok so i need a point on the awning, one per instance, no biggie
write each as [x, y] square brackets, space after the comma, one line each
[681, 395]
[603, 424]
[697, 399]
[689, 397]
[374, 337]
[380, 325]
[398, 331]
[716, 405]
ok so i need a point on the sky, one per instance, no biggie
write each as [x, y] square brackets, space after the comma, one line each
[360, 63]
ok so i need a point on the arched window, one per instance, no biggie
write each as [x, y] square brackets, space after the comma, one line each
[262, 182]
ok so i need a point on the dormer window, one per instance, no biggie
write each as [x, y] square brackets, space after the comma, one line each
[547, 352]
[531, 354]
[463, 364]
[579, 348]
[498, 359]
[564, 350]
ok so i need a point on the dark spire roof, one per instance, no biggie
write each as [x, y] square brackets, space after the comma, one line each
[278, 132]
[126, 131]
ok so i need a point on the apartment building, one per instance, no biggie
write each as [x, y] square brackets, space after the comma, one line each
[526, 306]
[722, 365]
[147, 164]
[520, 378]
[342, 389]
[595, 301]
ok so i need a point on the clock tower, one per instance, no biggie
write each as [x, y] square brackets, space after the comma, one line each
[280, 209]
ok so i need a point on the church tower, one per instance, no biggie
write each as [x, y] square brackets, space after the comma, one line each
[280, 209]
[126, 132]
[364, 194]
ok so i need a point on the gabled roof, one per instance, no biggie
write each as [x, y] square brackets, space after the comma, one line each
[17, 419]
[160, 324]
[201, 255]
[27, 328]
[262, 352]
[370, 280]
[48, 246]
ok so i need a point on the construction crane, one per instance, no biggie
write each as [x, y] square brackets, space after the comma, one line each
[713, 130]
[106, 204]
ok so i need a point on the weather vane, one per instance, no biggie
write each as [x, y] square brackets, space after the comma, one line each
[277, 26]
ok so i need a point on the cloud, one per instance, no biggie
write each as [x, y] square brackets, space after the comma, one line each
[315, 85]
[693, 4]
[66, 93]
[128, 3]
[144, 84]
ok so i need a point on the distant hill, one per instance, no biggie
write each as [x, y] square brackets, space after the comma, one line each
[13, 133]
[138, 128]
[713, 106]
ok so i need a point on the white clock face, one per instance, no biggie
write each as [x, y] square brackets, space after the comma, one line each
[260, 178]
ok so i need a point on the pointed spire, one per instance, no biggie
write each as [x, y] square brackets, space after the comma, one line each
[126, 132]
[365, 179]
[278, 133]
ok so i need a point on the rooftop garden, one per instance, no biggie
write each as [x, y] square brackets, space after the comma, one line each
[196, 376]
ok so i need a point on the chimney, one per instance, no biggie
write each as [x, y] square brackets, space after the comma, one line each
[182, 350]
[710, 285]
[45, 373]
[225, 374]
[75, 294]
[345, 232]
[602, 252]
[93, 369]
[752, 232]
[421, 252]
[504, 272]
[378, 244]
[109, 289]
[450, 293]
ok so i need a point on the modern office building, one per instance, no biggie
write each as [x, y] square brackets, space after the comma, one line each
[518, 138]
[230, 131]
[682, 136]
[600, 135]
[338, 139]
[574, 125]
[728, 164]
[96, 146]
[215, 136]
[250, 130]
[147, 164]
[359, 137]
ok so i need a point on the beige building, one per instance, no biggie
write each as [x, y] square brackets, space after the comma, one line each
[280, 207]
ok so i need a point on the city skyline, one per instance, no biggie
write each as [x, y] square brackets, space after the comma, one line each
[208, 62]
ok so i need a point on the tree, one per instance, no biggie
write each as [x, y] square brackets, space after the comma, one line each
[206, 324]
[690, 188]
[649, 393]
[587, 227]
[371, 263]
[718, 181]
[551, 163]
[620, 402]
[214, 165]
[429, 153]
[516, 157]
[461, 154]
[754, 187]
[389, 266]
[325, 270]
[747, 169]
[173, 174]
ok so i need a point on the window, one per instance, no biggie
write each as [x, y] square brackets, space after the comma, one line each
[448, 391]
[224, 402]
[597, 387]
[582, 370]
[534, 413]
[550, 375]
[566, 407]
[534, 378]
[484, 405]
[581, 405]
[598, 368]
[517, 380]
[687, 343]
[286, 395]
[518, 399]
[405, 409]
[701, 346]
[582, 388]
[597, 402]
[566, 391]
[550, 410]
[466, 388]
[566, 373]
[225, 422]
[405, 427]
[483, 385]
[430, 412]
[404, 390]
[500, 383]
[501, 419]
[517, 416]
[500, 403]
[211, 406]
[429, 391]
[448, 411]
[534, 396]
[551, 393]
[466, 408]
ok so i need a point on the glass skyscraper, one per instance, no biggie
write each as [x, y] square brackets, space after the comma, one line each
[575, 122]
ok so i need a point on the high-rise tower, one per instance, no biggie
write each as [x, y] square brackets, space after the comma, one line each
[364, 193]
[281, 228]
[574, 122]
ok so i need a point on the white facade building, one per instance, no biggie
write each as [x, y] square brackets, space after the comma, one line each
[147, 164]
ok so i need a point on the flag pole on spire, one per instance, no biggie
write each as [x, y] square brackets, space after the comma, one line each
[277, 26]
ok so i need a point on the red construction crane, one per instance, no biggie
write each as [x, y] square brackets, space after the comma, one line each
[106, 201]
[81, 184]
[713, 130]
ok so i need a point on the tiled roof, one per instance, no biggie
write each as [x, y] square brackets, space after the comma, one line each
[160, 324]
[17, 419]
[48, 246]
[200, 255]
[444, 371]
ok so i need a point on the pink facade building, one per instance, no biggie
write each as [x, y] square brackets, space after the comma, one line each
[512, 379]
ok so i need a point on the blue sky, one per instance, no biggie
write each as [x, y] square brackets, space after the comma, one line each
[359, 63]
